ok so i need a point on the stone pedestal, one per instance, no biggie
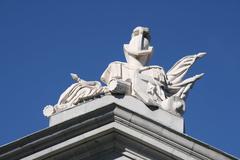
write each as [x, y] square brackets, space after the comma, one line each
[112, 128]
[126, 107]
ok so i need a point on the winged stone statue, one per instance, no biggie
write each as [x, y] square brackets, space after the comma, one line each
[150, 84]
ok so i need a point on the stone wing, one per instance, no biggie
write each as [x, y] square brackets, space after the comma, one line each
[180, 68]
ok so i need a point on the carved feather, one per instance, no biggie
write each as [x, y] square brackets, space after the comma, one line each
[180, 68]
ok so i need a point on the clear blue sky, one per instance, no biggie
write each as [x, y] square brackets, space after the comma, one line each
[41, 42]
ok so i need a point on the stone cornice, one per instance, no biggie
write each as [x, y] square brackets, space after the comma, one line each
[124, 125]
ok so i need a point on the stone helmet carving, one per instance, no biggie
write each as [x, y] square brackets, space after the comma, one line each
[139, 51]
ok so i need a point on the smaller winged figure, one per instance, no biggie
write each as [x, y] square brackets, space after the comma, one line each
[76, 93]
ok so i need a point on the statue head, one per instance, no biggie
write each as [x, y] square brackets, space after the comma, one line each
[143, 31]
[138, 52]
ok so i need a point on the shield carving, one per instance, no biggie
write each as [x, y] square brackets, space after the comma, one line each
[149, 84]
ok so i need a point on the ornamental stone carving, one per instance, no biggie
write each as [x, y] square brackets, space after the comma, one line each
[150, 84]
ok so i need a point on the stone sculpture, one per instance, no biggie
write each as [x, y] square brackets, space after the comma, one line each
[150, 84]
[75, 94]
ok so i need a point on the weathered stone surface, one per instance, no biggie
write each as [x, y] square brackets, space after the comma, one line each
[102, 130]
[129, 103]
